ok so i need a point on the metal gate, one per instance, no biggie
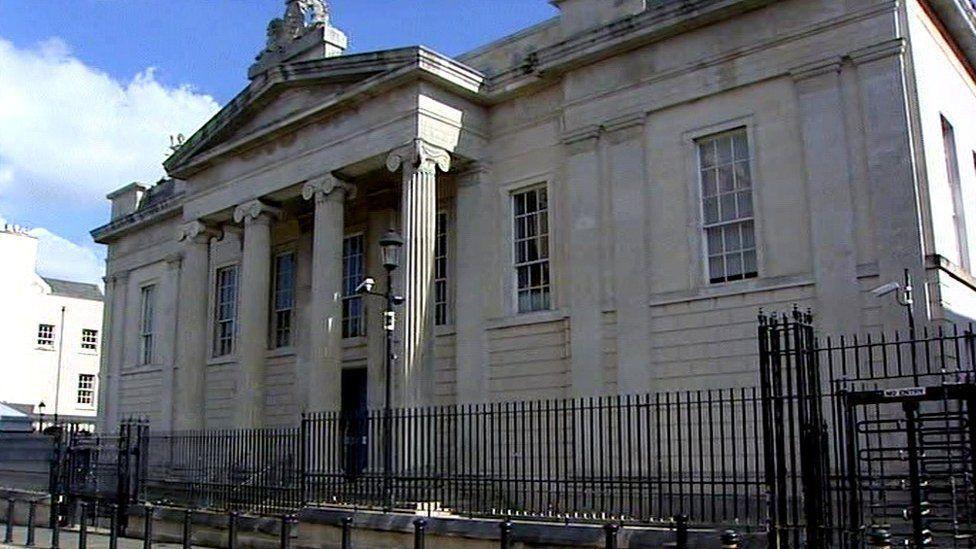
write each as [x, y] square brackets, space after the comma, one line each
[910, 464]
[99, 468]
[795, 434]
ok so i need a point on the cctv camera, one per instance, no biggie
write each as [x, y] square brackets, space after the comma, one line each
[886, 289]
[365, 286]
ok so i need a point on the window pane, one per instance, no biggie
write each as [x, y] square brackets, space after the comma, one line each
[744, 200]
[714, 241]
[732, 240]
[726, 182]
[743, 178]
[716, 267]
[733, 265]
[711, 210]
[728, 207]
[532, 251]
[707, 153]
[749, 261]
[723, 150]
[748, 235]
[709, 182]
[741, 145]
[530, 202]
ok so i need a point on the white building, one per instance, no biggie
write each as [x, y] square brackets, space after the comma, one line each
[600, 203]
[50, 334]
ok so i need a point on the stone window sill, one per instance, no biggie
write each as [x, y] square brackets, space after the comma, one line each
[280, 352]
[137, 369]
[350, 342]
[222, 360]
[525, 319]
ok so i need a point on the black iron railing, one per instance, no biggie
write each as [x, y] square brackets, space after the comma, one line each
[641, 458]
[841, 440]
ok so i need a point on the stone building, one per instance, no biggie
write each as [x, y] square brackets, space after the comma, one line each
[600, 203]
[50, 333]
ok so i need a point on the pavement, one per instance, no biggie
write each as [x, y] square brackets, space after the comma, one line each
[69, 540]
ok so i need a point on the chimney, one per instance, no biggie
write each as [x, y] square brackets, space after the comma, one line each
[126, 200]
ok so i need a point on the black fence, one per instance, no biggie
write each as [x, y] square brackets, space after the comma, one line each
[871, 440]
[842, 441]
[634, 458]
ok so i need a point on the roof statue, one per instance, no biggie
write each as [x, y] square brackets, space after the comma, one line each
[287, 35]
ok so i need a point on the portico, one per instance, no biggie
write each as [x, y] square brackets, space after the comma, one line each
[405, 197]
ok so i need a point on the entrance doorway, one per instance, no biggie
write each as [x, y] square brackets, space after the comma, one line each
[355, 424]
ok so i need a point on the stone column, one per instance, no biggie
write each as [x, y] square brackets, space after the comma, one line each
[629, 229]
[117, 352]
[891, 175]
[255, 294]
[322, 368]
[585, 284]
[418, 218]
[168, 312]
[107, 389]
[191, 327]
[471, 268]
[829, 192]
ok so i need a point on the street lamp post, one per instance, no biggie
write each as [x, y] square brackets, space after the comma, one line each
[390, 244]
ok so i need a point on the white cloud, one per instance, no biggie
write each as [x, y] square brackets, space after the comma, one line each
[73, 133]
[58, 257]
[69, 134]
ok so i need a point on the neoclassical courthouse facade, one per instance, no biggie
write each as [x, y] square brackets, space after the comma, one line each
[600, 203]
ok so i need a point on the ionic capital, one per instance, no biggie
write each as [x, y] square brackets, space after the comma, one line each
[328, 187]
[421, 156]
[196, 232]
[255, 210]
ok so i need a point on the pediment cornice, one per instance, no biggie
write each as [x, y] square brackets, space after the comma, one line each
[361, 76]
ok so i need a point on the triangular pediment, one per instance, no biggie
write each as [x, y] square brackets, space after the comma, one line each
[284, 93]
[290, 93]
[278, 106]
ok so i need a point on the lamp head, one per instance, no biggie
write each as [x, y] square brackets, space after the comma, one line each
[390, 244]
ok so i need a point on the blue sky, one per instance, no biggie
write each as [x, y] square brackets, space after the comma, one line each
[90, 90]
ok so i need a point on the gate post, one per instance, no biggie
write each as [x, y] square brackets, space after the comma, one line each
[766, 329]
[853, 495]
[122, 476]
[914, 475]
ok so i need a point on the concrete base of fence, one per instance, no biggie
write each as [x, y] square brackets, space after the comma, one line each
[323, 528]
[42, 511]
